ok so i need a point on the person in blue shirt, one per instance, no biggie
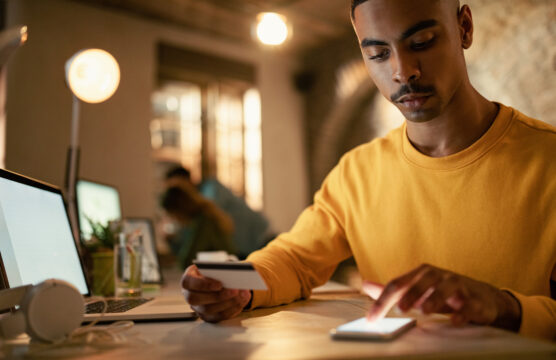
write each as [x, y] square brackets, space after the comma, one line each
[249, 229]
[203, 226]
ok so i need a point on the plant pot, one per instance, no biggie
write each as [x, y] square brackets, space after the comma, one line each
[103, 273]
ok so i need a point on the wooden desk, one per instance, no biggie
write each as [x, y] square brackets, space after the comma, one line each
[301, 331]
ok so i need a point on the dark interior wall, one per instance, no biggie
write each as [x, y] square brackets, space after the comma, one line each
[2, 14]
[320, 68]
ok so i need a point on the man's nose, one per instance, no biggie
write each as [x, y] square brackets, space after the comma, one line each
[405, 68]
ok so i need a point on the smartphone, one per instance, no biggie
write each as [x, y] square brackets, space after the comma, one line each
[383, 329]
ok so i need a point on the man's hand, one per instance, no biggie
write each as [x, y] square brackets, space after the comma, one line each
[207, 297]
[435, 290]
[187, 187]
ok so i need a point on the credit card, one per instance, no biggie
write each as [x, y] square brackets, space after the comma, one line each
[232, 275]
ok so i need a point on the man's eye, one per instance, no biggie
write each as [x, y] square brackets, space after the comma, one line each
[383, 55]
[421, 45]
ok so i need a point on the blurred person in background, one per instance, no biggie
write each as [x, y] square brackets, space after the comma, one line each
[213, 218]
[202, 225]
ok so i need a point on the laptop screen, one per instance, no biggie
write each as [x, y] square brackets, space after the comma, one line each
[37, 242]
[98, 202]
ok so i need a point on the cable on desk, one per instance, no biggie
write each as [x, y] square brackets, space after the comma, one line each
[85, 339]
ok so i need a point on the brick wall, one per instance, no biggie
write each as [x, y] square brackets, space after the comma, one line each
[513, 56]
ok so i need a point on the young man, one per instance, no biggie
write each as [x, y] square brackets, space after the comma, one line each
[455, 211]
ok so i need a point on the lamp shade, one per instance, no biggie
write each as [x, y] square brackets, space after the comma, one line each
[93, 75]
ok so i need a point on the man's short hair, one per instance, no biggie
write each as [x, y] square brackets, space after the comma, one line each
[180, 172]
[355, 3]
[177, 201]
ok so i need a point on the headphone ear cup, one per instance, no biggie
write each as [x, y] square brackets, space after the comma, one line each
[53, 309]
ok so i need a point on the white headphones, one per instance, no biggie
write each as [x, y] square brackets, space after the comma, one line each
[48, 312]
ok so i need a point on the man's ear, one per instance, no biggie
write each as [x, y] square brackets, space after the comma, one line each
[465, 23]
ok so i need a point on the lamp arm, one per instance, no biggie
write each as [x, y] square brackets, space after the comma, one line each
[75, 123]
[72, 169]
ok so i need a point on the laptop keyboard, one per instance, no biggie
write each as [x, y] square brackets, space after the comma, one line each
[114, 305]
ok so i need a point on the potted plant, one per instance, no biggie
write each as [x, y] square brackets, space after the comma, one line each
[100, 251]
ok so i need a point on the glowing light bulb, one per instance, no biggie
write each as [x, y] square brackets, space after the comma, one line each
[93, 75]
[272, 28]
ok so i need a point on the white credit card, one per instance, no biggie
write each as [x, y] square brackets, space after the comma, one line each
[232, 275]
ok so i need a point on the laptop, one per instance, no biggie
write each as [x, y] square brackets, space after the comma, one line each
[37, 244]
[98, 202]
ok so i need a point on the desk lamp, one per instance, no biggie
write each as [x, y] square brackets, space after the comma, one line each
[93, 76]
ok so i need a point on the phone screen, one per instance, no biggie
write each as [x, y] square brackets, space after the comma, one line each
[386, 328]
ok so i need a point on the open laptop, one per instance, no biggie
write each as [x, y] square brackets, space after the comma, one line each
[37, 244]
[98, 202]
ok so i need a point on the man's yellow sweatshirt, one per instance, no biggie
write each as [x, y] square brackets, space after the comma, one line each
[487, 212]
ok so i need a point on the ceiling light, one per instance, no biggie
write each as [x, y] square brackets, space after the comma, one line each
[272, 28]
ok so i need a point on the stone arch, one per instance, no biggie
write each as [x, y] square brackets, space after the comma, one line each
[354, 92]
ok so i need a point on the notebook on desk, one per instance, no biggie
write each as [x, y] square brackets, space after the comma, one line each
[37, 244]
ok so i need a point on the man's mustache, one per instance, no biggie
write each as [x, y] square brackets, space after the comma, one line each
[411, 88]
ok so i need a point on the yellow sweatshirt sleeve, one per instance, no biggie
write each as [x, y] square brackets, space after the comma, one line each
[538, 316]
[304, 258]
